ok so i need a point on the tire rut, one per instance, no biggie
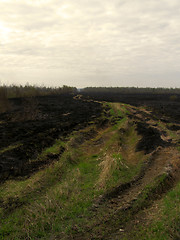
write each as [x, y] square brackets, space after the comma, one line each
[110, 214]
[119, 204]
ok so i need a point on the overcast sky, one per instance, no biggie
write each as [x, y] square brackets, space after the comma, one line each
[90, 42]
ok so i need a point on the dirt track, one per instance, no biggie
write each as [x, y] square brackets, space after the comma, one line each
[55, 117]
[161, 104]
[160, 171]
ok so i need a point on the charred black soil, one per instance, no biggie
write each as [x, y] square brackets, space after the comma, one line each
[118, 160]
[162, 105]
[33, 124]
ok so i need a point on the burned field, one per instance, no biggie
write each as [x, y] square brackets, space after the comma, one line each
[166, 107]
[161, 109]
[90, 166]
[33, 124]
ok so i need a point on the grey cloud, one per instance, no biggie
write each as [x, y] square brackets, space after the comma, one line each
[91, 39]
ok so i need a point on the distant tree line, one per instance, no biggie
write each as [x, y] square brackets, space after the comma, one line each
[14, 91]
[131, 90]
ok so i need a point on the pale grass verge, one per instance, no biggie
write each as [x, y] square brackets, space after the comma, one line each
[107, 165]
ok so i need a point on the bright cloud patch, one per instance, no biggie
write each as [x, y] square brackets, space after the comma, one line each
[90, 43]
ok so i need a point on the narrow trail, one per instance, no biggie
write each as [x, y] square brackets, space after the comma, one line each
[110, 211]
[98, 182]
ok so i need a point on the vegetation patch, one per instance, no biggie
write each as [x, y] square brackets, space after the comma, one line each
[161, 221]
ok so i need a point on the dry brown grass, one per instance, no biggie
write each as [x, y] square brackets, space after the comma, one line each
[107, 165]
[96, 144]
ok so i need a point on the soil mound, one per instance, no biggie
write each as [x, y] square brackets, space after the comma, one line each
[151, 138]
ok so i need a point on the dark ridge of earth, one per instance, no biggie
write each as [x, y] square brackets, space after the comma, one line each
[151, 138]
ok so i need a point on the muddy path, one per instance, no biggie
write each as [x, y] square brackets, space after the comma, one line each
[113, 209]
[160, 172]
